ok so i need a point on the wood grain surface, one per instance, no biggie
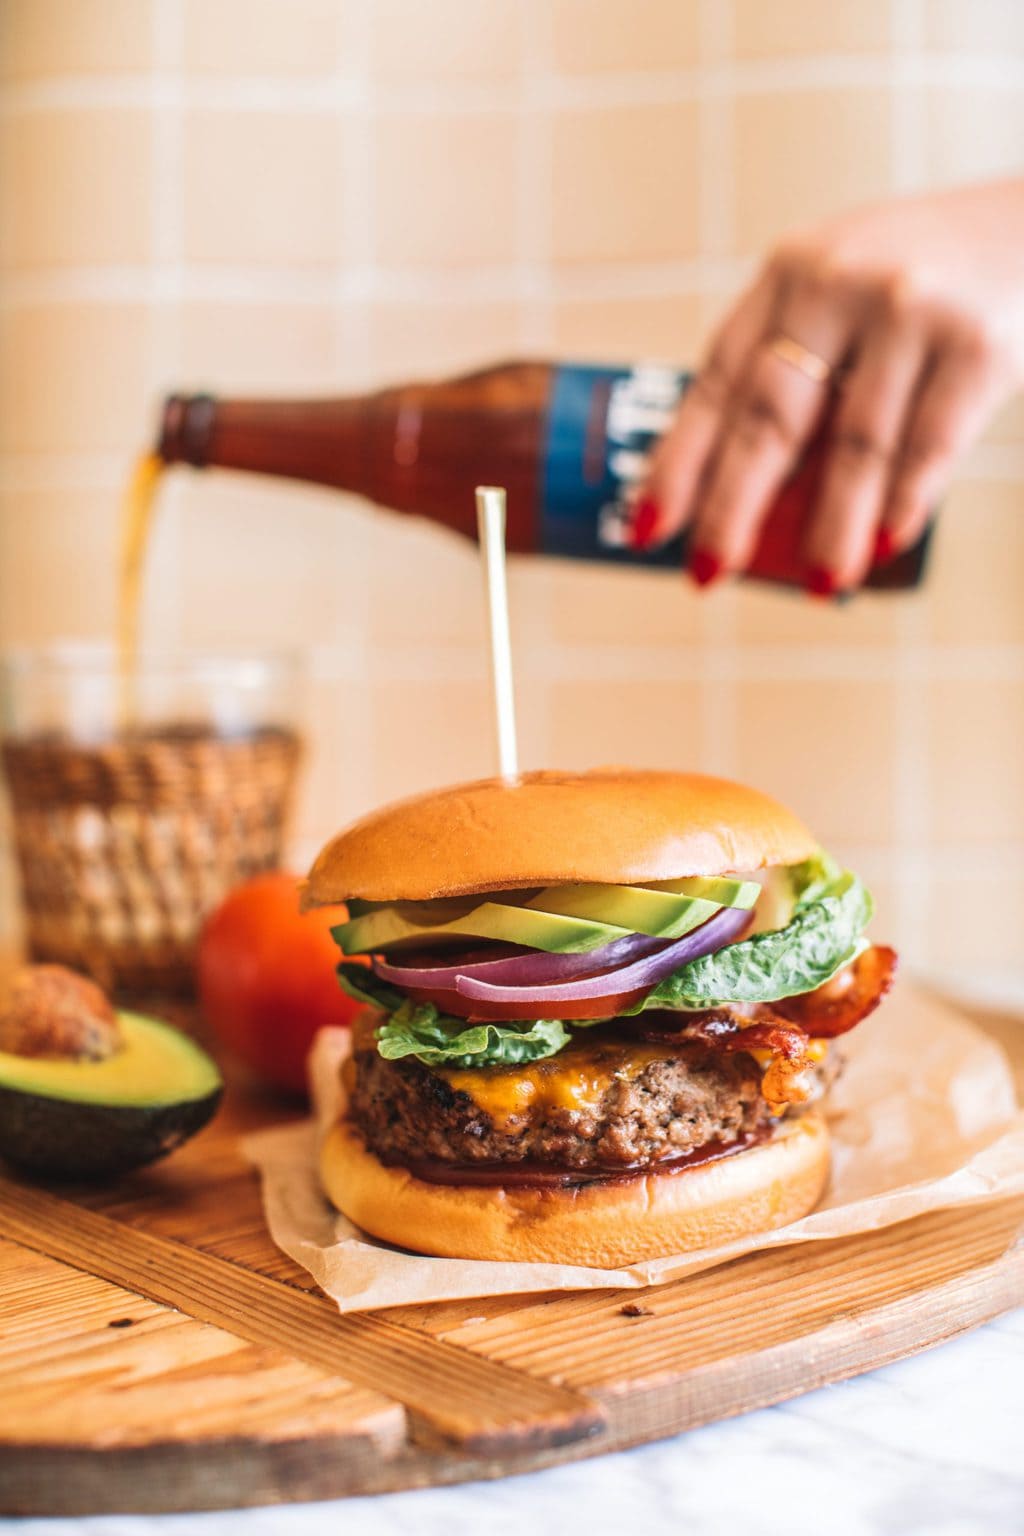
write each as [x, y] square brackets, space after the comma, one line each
[158, 1353]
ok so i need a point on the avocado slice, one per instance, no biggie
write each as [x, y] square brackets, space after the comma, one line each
[85, 1119]
[726, 891]
[562, 919]
[390, 927]
[662, 914]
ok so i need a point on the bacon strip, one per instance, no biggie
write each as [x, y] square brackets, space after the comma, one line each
[785, 1028]
[789, 1077]
[848, 998]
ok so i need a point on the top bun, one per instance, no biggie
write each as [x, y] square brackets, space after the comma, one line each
[611, 826]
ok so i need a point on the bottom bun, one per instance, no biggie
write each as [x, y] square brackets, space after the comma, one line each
[604, 1224]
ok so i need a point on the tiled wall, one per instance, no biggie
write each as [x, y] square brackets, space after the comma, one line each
[315, 195]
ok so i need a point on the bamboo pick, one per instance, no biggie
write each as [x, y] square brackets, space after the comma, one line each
[490, 515]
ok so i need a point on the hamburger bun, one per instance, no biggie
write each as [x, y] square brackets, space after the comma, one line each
[614, 826]
[621, 1221]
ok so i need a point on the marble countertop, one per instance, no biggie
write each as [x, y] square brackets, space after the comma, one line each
[931, 1446]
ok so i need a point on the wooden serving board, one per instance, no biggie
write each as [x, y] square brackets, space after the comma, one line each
[157, 1353]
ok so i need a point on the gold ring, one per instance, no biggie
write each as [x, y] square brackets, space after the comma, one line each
[799, 356]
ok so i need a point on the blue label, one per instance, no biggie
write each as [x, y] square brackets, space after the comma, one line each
[602, 423]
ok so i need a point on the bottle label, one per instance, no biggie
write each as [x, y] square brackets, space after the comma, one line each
[602, 425]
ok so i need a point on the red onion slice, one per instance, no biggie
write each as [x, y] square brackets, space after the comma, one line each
[646, 972]
[524, 967]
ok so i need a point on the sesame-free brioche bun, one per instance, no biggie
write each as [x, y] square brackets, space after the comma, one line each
[621, 1221]
[613, 826]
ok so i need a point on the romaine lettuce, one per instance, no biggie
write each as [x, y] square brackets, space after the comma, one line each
[823, 936]
[418, 1029]
[436, 1039]
[816, 877]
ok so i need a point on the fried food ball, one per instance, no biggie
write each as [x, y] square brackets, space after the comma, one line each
[51, 1012]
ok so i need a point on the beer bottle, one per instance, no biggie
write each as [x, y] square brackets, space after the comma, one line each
[569, 443]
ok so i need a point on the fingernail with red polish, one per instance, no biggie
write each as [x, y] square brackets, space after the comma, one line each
[704, 567]
[821, 582]
[885, 547]
[644, 522]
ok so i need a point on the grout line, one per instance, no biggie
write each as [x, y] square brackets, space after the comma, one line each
[335, 92]
[994, 462]
[911, 782]
[911, 766]
[168, 234]
[530, 280]
[531, 587]
[716, 192]
[908, 147]
[60, 471]
[142, 92]
[919, 663]
[352, 281]
[719, 720]
[353, 344]
[163, 578]
[535, 282]
[353, 291]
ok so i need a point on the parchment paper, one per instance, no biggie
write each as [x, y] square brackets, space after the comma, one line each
[924, 1116]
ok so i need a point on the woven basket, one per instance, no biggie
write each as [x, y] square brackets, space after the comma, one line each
[126, 846]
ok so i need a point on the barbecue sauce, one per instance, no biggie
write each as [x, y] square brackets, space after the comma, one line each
[538, 1175]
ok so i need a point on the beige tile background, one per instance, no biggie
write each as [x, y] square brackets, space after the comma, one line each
[318, 195]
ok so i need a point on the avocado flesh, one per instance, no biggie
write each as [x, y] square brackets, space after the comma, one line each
[387, 928]
[661, 914]
[93, 1119]
[718, 888]
[562, 919]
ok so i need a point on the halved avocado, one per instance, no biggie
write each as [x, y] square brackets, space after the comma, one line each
[82, 1119]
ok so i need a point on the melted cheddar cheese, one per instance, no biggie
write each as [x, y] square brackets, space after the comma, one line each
[817, 1050]
[576, 1079]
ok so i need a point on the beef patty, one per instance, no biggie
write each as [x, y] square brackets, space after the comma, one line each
[614, 1104]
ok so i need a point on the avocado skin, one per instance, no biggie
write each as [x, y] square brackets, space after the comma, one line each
[67, 1139]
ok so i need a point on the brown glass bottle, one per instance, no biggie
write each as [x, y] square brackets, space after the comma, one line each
[569, 444]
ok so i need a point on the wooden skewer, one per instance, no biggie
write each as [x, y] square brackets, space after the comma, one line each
[490, 513]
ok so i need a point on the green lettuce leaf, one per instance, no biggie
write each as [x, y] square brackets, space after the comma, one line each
[418, 1029]
[360, 982]
[421, 1030]
[824, 935]
[816, 877]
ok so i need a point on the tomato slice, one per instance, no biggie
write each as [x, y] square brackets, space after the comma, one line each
[476, 1012]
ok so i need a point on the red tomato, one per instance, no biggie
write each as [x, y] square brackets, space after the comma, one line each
[266, 975]
[474, 1011]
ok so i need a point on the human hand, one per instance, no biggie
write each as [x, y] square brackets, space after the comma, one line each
[901, 327]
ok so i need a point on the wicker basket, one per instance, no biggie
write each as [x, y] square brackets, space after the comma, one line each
[124, 847]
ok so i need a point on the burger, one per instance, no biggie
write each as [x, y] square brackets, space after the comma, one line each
[600, 1014]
